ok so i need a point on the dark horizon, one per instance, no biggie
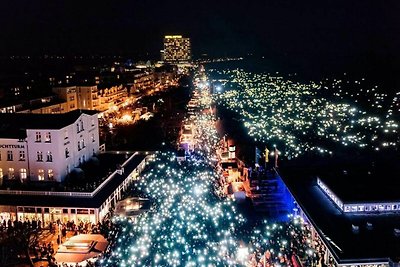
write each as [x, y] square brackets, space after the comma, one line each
[360, 36]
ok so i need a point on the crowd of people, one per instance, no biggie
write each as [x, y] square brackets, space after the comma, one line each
[40, 237]
[9, 225]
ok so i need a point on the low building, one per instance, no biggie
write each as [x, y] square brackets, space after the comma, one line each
[46, 147]
[353, 209]
[79, 205]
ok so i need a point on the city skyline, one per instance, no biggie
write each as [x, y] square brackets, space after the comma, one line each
[311, 37]
[209, 133]
[72, 26]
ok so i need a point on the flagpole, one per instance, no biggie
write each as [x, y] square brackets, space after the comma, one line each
[266, 157]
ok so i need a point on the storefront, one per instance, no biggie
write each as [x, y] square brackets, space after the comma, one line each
[48, 214]
[8, 213]
[85, 207]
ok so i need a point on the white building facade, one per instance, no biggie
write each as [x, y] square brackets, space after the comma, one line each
[46, 147]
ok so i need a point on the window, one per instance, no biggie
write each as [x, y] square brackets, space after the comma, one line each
[38, 137]
[50, 174]
[10, 155]
[22, 155]
[92, 122]
[65, 134]
[41, 175]
[79, 145]
[39, 155]
[83, 143]
[10, 173]
[66, 152]
[49, 156]
[47, 137]
[22, 174]
[93, 138]
[1, 173]
[79, 126]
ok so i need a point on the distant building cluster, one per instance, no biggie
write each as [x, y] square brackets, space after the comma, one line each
[86, 90]
[177, 49]
[52, 165]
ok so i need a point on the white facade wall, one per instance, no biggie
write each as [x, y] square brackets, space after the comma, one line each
[53, 162]
[14, 146]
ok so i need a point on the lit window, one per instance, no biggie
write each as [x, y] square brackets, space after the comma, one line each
[10, 155]
[50, 175]
[10, 173]
[22, 174]
[1, 173]
[39, 155]
[41, 175]
[38, 137]
[49, 156]
[48, 137]
[22, 155]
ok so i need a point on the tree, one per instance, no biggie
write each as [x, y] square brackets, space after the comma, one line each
[18, 241]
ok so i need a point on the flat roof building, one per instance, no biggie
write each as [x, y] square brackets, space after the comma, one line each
[354, 209]
[80, 204]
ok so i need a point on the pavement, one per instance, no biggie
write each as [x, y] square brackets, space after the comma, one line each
[47, 237]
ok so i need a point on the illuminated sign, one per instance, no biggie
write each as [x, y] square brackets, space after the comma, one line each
[11, 146]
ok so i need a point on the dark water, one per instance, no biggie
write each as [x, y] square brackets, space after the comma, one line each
[384, 75]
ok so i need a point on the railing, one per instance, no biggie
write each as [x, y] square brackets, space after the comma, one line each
[138, 169]
[45, 193]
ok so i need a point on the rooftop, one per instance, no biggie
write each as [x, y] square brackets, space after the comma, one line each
[369, 244]
[363, 183]
[361, 179]
[66, 200]
[14, 125]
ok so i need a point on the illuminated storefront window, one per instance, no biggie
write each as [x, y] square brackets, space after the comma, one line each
[10, 173]
[41, 175]
[50, 175]
[22, 174]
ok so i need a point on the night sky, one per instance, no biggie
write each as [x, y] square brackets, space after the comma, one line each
[327, 32]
